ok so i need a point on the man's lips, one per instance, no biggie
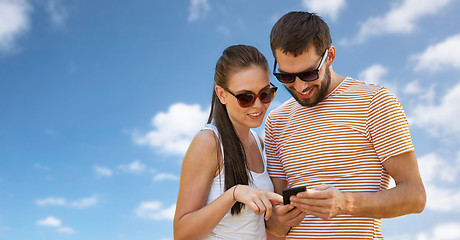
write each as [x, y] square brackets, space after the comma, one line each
[307, 92]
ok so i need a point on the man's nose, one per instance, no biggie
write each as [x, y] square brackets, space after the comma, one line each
[299, 84]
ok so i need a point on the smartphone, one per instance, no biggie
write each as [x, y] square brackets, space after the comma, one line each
[288, 192]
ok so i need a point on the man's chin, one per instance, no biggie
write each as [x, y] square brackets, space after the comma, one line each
[305, 102]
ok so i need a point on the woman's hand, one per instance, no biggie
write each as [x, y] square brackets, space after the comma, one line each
[260, 201]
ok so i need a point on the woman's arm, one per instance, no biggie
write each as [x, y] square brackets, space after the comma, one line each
[193, 218]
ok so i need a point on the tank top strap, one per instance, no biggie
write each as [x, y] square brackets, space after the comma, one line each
[213, 128]
[259, 144]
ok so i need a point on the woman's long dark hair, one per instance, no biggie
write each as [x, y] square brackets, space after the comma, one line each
[234, 58]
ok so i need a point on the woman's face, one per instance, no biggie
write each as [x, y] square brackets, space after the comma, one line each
[252, 79]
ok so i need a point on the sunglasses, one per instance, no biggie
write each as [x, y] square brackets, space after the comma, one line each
[307, 76]
[247, 99]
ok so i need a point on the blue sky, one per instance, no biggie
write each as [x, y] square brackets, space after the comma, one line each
[100, 99]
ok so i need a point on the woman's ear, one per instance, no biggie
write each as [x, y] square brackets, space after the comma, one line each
[220, 94]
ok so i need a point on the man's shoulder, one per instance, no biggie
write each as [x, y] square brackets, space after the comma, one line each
[355, 85]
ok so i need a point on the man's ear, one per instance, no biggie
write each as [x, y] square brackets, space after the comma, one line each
[220, 94]
[331, 55]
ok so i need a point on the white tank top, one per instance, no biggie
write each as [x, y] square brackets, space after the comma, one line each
[246, 224]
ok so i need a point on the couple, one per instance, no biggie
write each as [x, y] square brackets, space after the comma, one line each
[341, 138]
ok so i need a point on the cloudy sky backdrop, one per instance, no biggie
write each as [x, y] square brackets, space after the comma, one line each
[100, 99]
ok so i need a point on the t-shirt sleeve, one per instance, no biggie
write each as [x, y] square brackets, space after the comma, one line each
[387, 126]
[274, 165]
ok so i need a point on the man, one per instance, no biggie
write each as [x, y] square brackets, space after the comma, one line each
[341, 138]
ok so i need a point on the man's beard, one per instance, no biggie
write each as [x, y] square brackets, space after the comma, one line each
[323, 89]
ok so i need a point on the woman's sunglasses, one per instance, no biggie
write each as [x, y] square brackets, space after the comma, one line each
[247, 99]
[307, 76]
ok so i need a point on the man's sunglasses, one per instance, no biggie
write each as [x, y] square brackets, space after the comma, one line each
[247, 99]
[307, 76]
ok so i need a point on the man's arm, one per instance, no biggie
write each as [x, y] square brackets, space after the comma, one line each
[408, 196]
[283, 216]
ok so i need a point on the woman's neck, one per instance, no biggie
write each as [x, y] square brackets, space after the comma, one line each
[244, 134]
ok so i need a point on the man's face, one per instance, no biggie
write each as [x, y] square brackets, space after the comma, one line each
[311, 93]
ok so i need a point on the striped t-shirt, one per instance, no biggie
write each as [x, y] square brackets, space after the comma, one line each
[342, 142]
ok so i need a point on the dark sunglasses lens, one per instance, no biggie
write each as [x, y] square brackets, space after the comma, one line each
[308, 76]
[285, 78]
[245, 99]
[267, 95]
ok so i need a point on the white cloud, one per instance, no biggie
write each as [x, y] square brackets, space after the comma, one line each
[165, 176]
[329, 8]
[68, 230]
[51, 201]
[174, 129]
[441, 56]
[404, 236]
[442, 199]
[59, 201]
[437, 173]
[134, 167]
[56, 223]
[57, 12]
[14, 21]
[401, 19]
[433, 167]
[49, 221]
[373, 74]
[224, 30]
[85, 202]
[198, 8]
[442, 231]
[420, 94]
[440, 120]
[155, 211]
[413, 87]
[103, 171]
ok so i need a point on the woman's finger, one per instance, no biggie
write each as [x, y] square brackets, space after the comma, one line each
[261, 206]
[275, 198]
[268, 207]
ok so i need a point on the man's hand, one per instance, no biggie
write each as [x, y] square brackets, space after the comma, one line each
[283, 218]
[324, 202]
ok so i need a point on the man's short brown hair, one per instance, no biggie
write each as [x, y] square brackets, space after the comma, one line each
[296, 31]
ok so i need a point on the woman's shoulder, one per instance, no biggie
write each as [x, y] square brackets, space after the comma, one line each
[206, 140]
[206, 136]
[202, 153]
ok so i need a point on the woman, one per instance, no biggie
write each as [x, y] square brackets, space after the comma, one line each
[224, 185]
